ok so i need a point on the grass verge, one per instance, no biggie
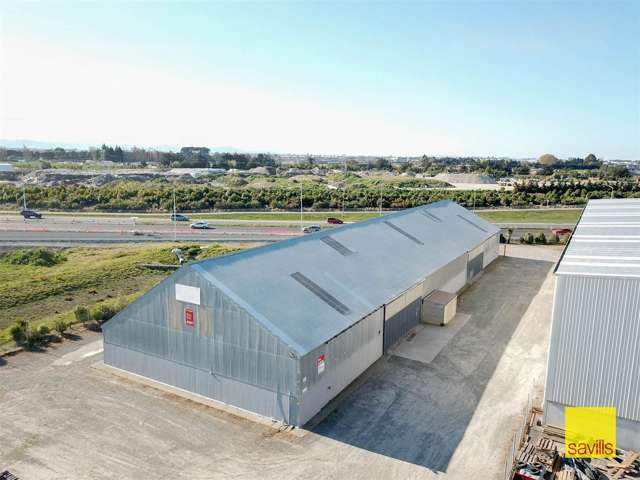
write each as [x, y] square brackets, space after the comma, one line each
[560, 215]
[88, 276]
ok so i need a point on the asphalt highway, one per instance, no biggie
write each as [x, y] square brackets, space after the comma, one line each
[96, 229]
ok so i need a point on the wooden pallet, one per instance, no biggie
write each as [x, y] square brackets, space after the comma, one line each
[566, 475]
[617, 470]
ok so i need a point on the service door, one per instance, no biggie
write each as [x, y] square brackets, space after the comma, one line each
[474, 267]
[402, 315]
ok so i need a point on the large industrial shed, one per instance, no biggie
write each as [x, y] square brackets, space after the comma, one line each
[281, 329]
[594, 356]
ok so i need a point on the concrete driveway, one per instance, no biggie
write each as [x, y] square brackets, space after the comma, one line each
[450, 417]
[457, 413]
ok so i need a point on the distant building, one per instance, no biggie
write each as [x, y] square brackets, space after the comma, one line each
[195, 172]
[262, 171]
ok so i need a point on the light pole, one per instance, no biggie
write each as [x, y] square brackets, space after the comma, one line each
[344, 198]
[380, 213]
[344, 192]
[301, 207]
[174, 214]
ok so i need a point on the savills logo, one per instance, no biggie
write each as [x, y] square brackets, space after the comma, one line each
[590, 432]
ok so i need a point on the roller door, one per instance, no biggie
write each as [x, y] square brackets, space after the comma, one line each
[402, 315]
[474, 267]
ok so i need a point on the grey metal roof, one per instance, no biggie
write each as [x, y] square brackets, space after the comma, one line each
[309, 289]
[606, 241]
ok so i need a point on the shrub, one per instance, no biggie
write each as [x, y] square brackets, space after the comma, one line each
[44, 330]
[102, 312]
[82, 314]
[509, 234]
[18, 331]
[39, 257]
[553, 240]
[528, 239]
[60, 326]
[191, 251]
[541, 238]
[34, 338]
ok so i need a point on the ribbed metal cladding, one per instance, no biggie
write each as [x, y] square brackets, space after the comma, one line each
[594, 356]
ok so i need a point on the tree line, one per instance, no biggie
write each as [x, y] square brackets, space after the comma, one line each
[129, 196]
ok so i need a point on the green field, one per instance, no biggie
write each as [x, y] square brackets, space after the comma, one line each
[560, 215]
[88, 276]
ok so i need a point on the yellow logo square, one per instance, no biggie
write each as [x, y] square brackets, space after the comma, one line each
[590, 432]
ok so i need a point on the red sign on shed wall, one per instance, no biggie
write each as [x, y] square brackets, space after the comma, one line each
[188, 317]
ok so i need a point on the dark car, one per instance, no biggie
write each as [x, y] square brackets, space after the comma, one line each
[334, 221]
[30, 214]
[178, 217]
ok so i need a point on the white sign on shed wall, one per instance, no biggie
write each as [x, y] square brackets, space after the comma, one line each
[185, 293]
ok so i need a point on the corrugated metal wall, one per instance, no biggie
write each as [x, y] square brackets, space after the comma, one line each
[594, 358]
[344, 358]
[490, 250]
[225, 343]
[450, 278]
[401, 315]
[281, 406]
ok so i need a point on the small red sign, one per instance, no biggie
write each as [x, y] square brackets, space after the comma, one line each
[320, 363]
[188, 317]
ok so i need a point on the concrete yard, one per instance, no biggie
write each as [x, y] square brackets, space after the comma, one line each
[447, 412]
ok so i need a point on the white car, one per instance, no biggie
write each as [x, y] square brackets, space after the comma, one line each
[200, 225]
[311, 229]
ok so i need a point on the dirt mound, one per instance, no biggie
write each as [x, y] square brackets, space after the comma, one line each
[466, 178]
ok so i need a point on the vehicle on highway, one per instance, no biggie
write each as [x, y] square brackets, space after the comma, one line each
[178, 217]
[31, 214]
[311, 229]
[200, 225]
[334, 221]
[559, 232]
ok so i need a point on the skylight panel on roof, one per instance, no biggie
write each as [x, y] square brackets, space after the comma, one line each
[471, 223]
[336, 245]
[402, 232]
[321, 293]
[431, 216]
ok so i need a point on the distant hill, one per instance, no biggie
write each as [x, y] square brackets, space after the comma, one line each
[45, 145]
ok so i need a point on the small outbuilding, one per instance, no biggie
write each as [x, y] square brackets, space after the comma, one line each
[281, 329]
[439, 308]
[594, 355]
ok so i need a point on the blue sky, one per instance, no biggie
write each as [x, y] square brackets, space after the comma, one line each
[474, 78]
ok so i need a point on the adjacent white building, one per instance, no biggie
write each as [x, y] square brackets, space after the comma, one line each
[594, 356]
